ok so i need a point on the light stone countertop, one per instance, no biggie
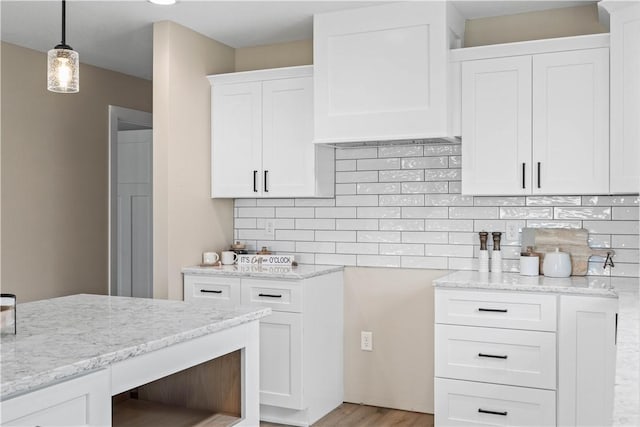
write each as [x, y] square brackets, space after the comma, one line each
[583, 285]
[302, 271]
[64, 337]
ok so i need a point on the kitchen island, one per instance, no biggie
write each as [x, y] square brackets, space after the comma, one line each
[72, 354]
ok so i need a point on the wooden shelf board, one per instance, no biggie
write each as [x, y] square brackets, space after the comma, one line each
[136, 413]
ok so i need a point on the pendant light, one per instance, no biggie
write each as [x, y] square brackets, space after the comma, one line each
[63, 64]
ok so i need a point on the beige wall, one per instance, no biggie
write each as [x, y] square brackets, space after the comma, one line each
[186, 220]
[54, 175]
[274, 55]
[570, 21]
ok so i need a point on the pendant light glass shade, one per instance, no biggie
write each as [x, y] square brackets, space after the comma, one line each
[63, 70]
[63, 63]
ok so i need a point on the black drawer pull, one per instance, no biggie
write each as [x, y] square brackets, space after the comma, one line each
[270, 295]
[538, 174]
[493, 356]
[484, 411]
[207, 291]
[523, 176]
[255, 187]
[494, 310]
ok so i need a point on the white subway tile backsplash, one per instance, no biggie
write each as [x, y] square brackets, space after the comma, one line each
[335, 236]
[357, 224]
[379, 236]
[401, 249]
[356, 153]
[424, 237]
[526, 213]
[582, 213]
[378, 188]
[380, 212]
[378, 164]
[345, 165]
[342, 212]
[295, 212]
[425, 187]
[401, 175]
[362, 176]
[401, 205]
[345, 189]
[402, 200]
[401, 224]
[479, 212]
[431, 212]
[360, 200]
[400, 151]
[378, 261]
[357, 248]
[438, 162]
[553, 200]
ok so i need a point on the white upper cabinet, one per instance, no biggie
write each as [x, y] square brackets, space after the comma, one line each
[535, 117]
[625, 96]
[381, 72]
[262, 136]
[571, 122]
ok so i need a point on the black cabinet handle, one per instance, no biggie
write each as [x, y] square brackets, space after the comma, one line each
[494, 310]
[523, 179]
[265, 181]
[485, 411]
[538, 174]
[255, 184]
[493, 356]
[270, 295]
[207, 291]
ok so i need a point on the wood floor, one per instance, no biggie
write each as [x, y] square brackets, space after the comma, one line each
[352, 415]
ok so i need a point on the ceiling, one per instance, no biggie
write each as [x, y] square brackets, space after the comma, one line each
[118, 35]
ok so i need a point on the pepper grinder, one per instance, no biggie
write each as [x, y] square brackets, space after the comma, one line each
[483, 255]
[496, 256]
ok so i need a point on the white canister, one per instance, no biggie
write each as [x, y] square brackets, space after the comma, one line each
[529, 265]
[557, 264]
[483, 261]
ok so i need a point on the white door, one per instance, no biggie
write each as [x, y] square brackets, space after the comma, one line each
[381, 72]
[571, 122]
[134, 213]
[236, 146]
[496, 126]
[625, 100]
[586, 360]
[287, 141]
[281, 360]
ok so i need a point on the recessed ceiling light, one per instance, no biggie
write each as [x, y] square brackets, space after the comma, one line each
[163, 2]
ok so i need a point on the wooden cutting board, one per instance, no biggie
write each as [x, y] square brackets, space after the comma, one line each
[574, 241]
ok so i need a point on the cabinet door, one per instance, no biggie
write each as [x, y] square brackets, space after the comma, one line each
[236, 146]
[281, 360]
[288, 152]
[625, 100]
[381, 72]
[571, 122]
[496, 126]
[586, 360]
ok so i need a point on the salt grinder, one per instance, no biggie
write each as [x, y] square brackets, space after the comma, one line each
[496, 256]
[483, 255]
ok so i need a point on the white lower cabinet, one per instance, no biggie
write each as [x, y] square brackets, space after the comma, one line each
[301, 342]
[83, 401]
[502, 358]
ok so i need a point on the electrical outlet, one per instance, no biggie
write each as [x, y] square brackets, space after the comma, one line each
[366, 341]
[512, 231]
[269, 227]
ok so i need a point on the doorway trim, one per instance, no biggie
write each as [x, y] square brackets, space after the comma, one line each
[136, 118]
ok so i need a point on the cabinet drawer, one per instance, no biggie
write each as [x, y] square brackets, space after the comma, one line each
[279, 295]
[503, 356]
[496, 309]
[216, 289]
[465, 403]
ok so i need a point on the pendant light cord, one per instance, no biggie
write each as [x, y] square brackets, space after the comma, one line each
[64, 22]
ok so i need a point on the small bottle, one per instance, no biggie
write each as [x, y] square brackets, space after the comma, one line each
[483, 255]
[496, 256]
